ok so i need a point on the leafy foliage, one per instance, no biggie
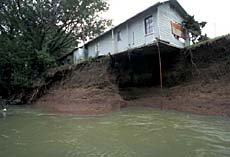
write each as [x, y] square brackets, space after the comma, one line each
[194, 29]
[33, 33]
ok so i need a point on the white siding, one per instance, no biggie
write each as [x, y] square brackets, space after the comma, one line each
[105, 44]
[101, 46]
[121, 45]
[91, 53]
[132, 32]
[137, 37]
[132, 35]
[166, 14]
[79, 55]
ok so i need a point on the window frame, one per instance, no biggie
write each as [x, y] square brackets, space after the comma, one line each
[118, 36]
[149, 26]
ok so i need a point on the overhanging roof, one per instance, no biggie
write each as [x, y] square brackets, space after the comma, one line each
[178, 7]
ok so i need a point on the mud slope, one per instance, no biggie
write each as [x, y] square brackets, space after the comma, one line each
[204, 87]
[199, 83]
[87, 90]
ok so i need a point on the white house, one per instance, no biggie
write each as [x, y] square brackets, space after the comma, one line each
[160, 22]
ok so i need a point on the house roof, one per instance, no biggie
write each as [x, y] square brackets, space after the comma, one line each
[178, 7]
[174, 3]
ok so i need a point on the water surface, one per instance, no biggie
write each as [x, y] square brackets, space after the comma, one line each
[134, 132]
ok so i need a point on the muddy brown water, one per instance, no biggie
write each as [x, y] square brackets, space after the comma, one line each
[132, 132]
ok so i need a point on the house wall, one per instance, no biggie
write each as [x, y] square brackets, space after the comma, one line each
[78, 55]
[105, 44]
[132, 33]
[166, 14]
[91, 49]
[136, 33]
[123, 44]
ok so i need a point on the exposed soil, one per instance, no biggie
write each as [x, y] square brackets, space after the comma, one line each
[87, 90]
[81, 101]
[211, 98]
[93, 88]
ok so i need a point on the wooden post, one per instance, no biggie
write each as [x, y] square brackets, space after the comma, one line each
[160, 65]
[160, 69]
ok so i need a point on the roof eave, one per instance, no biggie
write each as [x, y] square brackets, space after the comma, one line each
[178, 7]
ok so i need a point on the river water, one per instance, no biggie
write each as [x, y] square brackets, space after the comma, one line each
[133, 132]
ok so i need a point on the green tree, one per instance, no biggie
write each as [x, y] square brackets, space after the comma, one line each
[33, 33]
[194, 29]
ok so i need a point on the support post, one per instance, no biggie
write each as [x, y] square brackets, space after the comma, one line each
[160, 64]
[160, 69]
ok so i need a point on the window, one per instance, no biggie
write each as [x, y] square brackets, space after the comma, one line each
[97, 49]
[149, 25]
[119, 36]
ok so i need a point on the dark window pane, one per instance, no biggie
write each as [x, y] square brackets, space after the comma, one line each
[149, 25]
[119, 36]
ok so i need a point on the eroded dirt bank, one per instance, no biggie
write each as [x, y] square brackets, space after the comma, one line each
[211, 98]
[86, 90]
[196, 81]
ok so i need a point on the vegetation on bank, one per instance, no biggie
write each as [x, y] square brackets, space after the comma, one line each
[194, 29]
[33, 33]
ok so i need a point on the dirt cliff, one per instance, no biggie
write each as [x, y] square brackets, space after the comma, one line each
[195, 80]
[87, 89]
